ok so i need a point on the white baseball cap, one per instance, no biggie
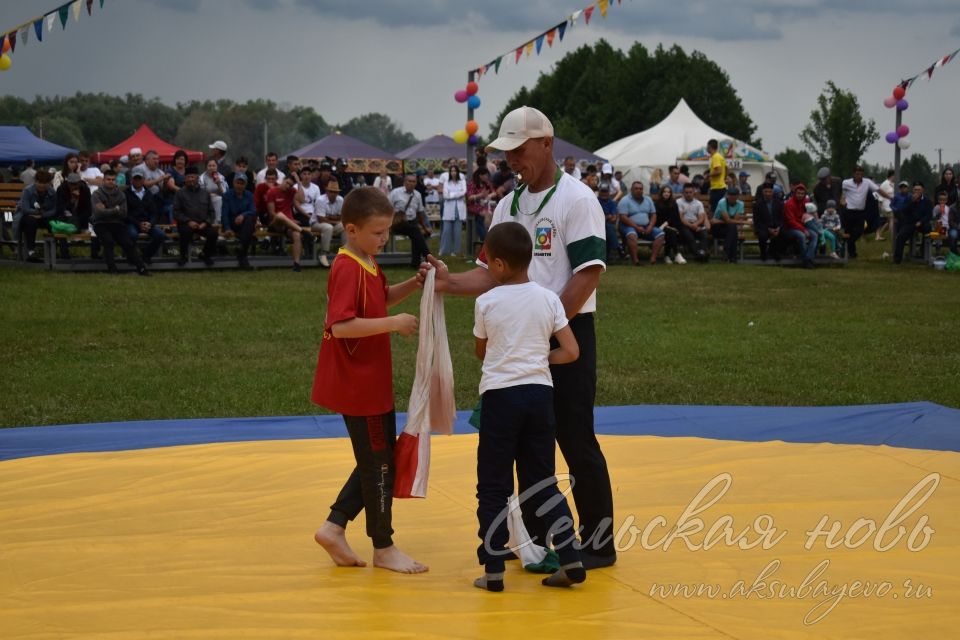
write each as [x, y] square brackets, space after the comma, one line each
[219, 144]
[521, 125]
[607, 168]
[136, 151]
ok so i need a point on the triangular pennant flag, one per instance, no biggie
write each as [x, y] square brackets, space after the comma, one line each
[529, 48]
[480, 71]
[496, 65]
[12, 37]
[550, 37]
[603, 7]
[519, 53]
[76, 6]
[89, 7]
[38, 27]
[51, 18]
[574, 16]
[951, 57]
[101, 4]
[6, 38]
[587, 13]
[24, 35]
[540, 42]
[929, 73]
[562, 28]
[64, 13]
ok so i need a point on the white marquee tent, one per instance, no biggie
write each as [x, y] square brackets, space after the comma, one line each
[681, 132]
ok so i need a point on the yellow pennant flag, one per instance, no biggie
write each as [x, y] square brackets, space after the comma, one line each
[529, 48]
[76, 6]
[603, 7]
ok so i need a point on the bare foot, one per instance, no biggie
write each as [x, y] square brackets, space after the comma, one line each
[334, 540]
[395, 560]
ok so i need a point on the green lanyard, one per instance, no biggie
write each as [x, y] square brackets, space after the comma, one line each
[515, 205]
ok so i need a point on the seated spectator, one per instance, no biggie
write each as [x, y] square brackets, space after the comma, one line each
[656, 177]
[570, 167]
[218, 151]
[36, 208]
[768, 222]
[214, 183]
[143, 213]
[434, 192]
[814, 225]
[92, 176]
[504, 180]
[694, 223]
[193, 211]
[411, 220]
[272, 160]
[948, 183]
[293, 165]
[153, 176]
[638, 220]
[303, 211]
[743, 184]
[480, 195]
[134, 158]
[668, 215]
[805, 240]
[945, 219]
[612, 218]
[914, 218]
[280, 217]
[73, 207]
[325, 219]
[673, 180]
[241, 166]
[239, 216]
[771, 179]
[727, 220]
[173, 183]
[119, 167]
[71, 164]
[606, 175]
[110, 224]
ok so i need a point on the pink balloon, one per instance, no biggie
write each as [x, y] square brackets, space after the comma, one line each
[903, 131]
[890, 102]
[460, 96]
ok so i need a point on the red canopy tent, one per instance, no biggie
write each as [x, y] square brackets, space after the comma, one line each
[147, 140]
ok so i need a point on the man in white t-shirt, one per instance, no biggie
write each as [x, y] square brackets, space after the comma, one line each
[567, 227]
[91, 175]
[855, 192]
[272, 160]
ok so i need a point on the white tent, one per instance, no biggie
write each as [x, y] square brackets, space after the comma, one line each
[660, 146]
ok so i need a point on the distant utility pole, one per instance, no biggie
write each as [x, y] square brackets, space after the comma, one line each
[41, 128]
[940, 160]
[265, 138]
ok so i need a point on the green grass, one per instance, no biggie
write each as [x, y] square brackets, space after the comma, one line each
[94, 347]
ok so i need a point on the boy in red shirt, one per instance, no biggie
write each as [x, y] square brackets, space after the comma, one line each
[354, 377]
[279, 201]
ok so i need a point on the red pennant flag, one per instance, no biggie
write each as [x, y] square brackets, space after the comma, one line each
[480, 72]
[89, 7]
[587, 13]
[519, 53]
[929, 73]
[550, 36]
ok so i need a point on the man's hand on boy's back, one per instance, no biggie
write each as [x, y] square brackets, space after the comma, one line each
[405, 324]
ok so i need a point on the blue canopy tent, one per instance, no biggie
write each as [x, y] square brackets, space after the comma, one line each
[17, 145]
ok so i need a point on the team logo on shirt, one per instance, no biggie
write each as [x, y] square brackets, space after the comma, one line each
[543, 236]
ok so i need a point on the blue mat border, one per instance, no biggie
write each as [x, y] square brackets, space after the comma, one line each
[913, 425]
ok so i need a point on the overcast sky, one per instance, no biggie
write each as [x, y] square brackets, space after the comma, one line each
[406, 58]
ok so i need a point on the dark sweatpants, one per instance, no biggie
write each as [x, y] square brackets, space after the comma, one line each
[115, 233]
[853, 224]
[574, 392]
[370, 486]
[517, 424]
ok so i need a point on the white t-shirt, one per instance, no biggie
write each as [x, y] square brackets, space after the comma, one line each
[262, 176]
[690, 211]
[433, 197]
[518, 344]
[310, 196]
[856, 194]
[91, 173]
[569, 233]
[323, 208]
[884, 202]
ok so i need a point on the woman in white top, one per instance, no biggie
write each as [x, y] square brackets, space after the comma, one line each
[213, 182]
[454, 211]
[383, 182]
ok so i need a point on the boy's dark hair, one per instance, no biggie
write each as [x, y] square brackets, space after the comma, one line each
[364, 203]
[270, 173]
[109, 172]
[510, 242]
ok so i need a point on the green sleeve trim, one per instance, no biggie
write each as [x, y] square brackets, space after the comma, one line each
[586, 250]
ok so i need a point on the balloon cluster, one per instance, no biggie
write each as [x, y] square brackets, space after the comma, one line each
[469, 132]
[897, 99]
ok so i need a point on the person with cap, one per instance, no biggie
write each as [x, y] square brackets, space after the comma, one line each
[606, 176]
[771, 179]
[854, 197]
[241, 165]
[325, 218]
[143, 209]
[793, 212]
[110, 224]
[134, 157]
[827, 188]
[885, 210]
[73, 207]
[638, 221]
[193, 211]
[744, 184]
[768, 222]
[914, 218]
[218, 151]
[411, 218]
[728, 217]
[612, 219]
[239, 216]
[36, 208]
[566, 225]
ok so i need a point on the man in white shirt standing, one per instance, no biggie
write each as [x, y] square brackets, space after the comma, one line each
[855, 191]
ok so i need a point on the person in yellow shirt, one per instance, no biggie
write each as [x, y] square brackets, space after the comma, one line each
[718, 175]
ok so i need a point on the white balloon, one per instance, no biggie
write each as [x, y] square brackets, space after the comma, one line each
[903, 143]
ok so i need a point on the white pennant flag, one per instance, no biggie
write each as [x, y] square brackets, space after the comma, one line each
[76, 6]
[50, 20]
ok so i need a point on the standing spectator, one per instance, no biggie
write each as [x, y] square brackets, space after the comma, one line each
[693, 219]
[413, 222]
[480, 191]
[952, 223]
[143, 211]
[504, 180]
[638, 221]
[744, 185]
[570, 168]
[29, 173]
[219, 152]
[241, 166]
[854, 198]
[73, 207]
[611, 218]
[948, 183]
[71, 164]
[668, 214]
[110, 224]
[454, 211]
[213, 182]
[37, 207]
[193, 211]
[684, 176]
[717, 174]
[914, 218]
[827, 188]
[92, 176]
[239, 216]
[272, 160]
[768, 222]
[806, 240]
[886, 212]
[673, 180]
[771, 179]
[280, 216]
[326, 219]
[434, 193]
[383, 182]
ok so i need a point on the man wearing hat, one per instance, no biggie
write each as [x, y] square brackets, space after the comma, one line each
[194, 213]
[771, 179]
[240, 216]
[325, 218]
[142, 211]
[744, 185]
[566, 224]
[218, 151]
[827, 188]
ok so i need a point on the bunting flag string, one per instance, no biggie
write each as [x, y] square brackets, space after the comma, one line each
[928, 72]
[61, 12]
[536, 43]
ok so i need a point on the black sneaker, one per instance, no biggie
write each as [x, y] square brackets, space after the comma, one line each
[296, 267]
[147, 259]
[207, 260]
[33, 257]
[142, 271]
[181, 261]
[244, 264]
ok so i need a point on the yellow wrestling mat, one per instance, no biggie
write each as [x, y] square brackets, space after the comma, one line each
[216, 541]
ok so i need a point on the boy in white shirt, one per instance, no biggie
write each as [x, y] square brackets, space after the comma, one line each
[514, 322]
